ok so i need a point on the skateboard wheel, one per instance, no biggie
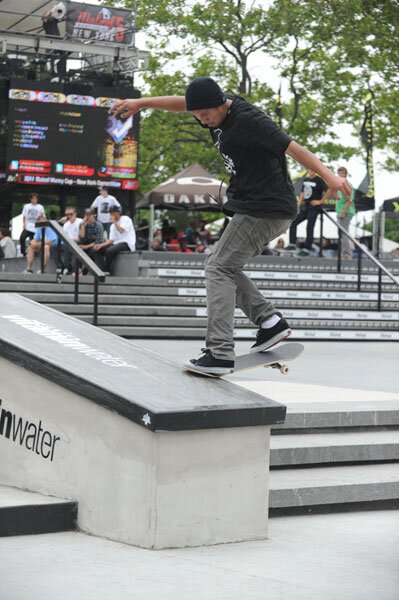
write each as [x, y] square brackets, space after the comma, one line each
[284, 369]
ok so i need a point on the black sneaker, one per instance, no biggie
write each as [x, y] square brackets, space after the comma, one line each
[266, 338]
[207, 363]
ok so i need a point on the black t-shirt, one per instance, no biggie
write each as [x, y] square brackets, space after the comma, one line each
[313, 188]
[253, 149]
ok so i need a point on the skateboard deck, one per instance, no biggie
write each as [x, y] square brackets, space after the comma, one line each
[274, 358]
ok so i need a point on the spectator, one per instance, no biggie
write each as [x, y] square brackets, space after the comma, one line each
[122, 238]
[202, 249]
[345, 210]
[50, 239]
[143, 232]
[204, 233]
[190, 232]
[314, 192]
[91, 232]
[173, 241]
[156, 245]
[7, 245]
[183, 245]
[71, 227]
[158, 236]
[30, 214]
[103, 203]
[280, 245]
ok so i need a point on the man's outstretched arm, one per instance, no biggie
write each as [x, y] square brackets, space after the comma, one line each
[310, 161]
[126, 108]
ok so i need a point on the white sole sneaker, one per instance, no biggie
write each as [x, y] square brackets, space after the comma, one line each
[279, 337]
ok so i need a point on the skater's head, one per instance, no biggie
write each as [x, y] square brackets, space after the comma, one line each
[206, 101]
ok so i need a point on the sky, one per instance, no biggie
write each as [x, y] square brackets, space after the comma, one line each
[386, 184]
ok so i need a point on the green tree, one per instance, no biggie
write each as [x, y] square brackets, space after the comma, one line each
[326, 52]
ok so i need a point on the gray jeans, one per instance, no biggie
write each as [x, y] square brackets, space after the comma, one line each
[226, 284]
[346, 244]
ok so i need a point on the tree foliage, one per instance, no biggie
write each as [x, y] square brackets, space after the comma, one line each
[326, 54]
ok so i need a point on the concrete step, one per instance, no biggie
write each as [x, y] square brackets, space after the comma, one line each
[339, 415]
[193, 333]
[347, 447]
[175, 318]
[309, 489]
[26, 513]
[276, 275]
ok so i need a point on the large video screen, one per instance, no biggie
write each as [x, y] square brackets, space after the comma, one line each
[59, 137]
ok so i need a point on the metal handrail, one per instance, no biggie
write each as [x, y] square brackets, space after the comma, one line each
[381, 268]
[82, 259]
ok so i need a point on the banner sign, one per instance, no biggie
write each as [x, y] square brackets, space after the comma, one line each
[364, 195]
[99, 23]
[391, 207]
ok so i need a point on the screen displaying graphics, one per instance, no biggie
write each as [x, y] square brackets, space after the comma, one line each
[56, 136]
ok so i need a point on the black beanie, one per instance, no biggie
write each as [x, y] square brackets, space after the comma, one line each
[204, 92]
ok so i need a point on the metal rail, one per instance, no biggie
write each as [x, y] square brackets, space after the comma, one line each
[81, 259]
[361, 250]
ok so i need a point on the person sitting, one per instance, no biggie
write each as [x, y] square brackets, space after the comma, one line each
[50, 239]
[7, 245]
[183, 245]
[280, 244]
[122, 238]
[91, 232]
[156, 245]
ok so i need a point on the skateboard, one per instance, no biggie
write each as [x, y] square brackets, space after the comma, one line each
[275, 358]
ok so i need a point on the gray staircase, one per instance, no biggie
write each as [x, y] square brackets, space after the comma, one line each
[168, 299]
[335, 456]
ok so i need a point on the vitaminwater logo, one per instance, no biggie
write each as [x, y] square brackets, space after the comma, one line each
[28, 434]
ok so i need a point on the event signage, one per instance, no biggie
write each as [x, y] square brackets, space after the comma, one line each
[88, 22]
[61, 135]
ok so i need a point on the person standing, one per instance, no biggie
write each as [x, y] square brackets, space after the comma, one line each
[122, 238]
[314, 192]
[30, 214]
[262, 200]
[345, 210]
[103, 203]
[71, 228]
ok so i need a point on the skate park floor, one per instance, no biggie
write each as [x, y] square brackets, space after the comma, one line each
[344, 556]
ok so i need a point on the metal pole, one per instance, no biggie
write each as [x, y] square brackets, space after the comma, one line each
[339, 258]
[95, 315]
[359, 269]
[152, 220]
[321, 236]
[43, 238]
[379, 289]
[76, 295]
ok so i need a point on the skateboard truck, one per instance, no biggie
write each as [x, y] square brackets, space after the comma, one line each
[282, 368]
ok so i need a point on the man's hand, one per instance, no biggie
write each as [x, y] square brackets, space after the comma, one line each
[338, 184]
[97, 247]
[125, 108]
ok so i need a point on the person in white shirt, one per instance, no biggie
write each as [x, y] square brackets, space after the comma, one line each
[7, 244]
[122, 237]
[103, 203]
[71, 227]
[30, 214]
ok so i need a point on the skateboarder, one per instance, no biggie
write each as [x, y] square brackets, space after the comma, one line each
[262, 200]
